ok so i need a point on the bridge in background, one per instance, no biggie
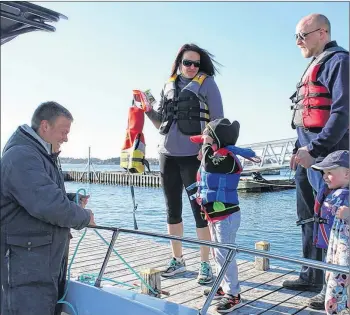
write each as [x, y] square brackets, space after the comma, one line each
[274, 155]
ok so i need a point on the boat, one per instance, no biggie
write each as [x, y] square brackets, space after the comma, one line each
[94, 299]
[81, 298]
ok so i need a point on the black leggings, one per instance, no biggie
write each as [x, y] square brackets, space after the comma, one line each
[178, 172]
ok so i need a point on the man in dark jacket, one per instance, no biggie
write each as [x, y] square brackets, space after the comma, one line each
[36, 215]
[321, 118]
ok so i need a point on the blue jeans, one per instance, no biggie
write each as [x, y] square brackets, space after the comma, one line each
[305, 210]
[315, 179]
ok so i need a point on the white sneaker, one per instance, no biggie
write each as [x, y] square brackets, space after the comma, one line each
[205, 274]
[175, 267]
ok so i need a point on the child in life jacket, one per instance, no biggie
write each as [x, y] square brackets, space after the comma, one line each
[332, 207]
[217, 182]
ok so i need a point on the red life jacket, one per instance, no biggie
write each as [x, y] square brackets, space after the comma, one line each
[132, 157]
[312, 99]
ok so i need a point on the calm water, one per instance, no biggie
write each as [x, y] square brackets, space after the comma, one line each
[267, 216]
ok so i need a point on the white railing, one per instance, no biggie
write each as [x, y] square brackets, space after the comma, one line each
[274, 154]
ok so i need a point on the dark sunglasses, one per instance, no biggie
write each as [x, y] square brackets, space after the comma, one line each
[189, 63]
[302, 36]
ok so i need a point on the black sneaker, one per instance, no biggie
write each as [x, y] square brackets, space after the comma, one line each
[228, 303]
[218, 295]
[301, 285]
[317, 302]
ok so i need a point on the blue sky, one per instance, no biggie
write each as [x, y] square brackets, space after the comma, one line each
[94, 60]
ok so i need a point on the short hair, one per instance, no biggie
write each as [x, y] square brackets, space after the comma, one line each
[323, 20]
[49, 111]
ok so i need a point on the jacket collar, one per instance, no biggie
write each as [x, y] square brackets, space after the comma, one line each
[47, 146]
[331, 44]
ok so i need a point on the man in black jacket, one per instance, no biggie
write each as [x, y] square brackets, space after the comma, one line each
[36, 215]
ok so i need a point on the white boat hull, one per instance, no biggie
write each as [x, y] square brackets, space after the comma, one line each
[89, 300]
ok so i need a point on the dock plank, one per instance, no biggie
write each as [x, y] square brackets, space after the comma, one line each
[262, 291]
[252, 284]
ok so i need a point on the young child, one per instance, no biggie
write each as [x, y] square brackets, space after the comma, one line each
[217, 182]
[336, 231]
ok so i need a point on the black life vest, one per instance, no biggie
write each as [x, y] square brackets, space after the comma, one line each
[186, 108]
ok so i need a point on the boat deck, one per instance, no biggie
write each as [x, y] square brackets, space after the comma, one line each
[261, 291]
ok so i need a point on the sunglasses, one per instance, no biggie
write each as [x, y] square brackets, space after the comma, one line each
[189, 63]
[302, 36]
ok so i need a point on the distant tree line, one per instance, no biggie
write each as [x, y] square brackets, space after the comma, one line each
[111, 161]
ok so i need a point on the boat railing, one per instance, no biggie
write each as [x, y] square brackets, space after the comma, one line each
[232, 249]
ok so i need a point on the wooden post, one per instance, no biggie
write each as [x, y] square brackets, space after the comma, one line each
[262, 263]
[152, 278]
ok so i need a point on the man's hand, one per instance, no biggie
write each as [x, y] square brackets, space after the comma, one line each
[293, 164]
[304, 158]
[83, 200]
[92, 217]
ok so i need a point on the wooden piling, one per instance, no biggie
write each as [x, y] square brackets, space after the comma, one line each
[262, 263]
[152, 277]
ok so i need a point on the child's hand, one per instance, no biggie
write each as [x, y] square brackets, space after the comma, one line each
[200, 155]
[343, 213]
[207, 139]
[327, 275]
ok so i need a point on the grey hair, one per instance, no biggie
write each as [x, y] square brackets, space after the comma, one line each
[49, 111]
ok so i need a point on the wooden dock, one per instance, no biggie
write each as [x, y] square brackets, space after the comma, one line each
[153, 180]
[261, 291]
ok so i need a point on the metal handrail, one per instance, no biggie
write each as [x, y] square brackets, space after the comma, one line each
[232, 250]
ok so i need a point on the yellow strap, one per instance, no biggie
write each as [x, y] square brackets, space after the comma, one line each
[173, 78]
[199, 78]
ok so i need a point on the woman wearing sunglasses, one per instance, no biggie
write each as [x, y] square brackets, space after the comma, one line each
[189, 100]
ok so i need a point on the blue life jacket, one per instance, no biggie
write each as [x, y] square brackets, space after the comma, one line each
[326, 205]
[219, 187]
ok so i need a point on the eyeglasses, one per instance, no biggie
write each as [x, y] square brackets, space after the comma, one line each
[302, 36]
[189, 63]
